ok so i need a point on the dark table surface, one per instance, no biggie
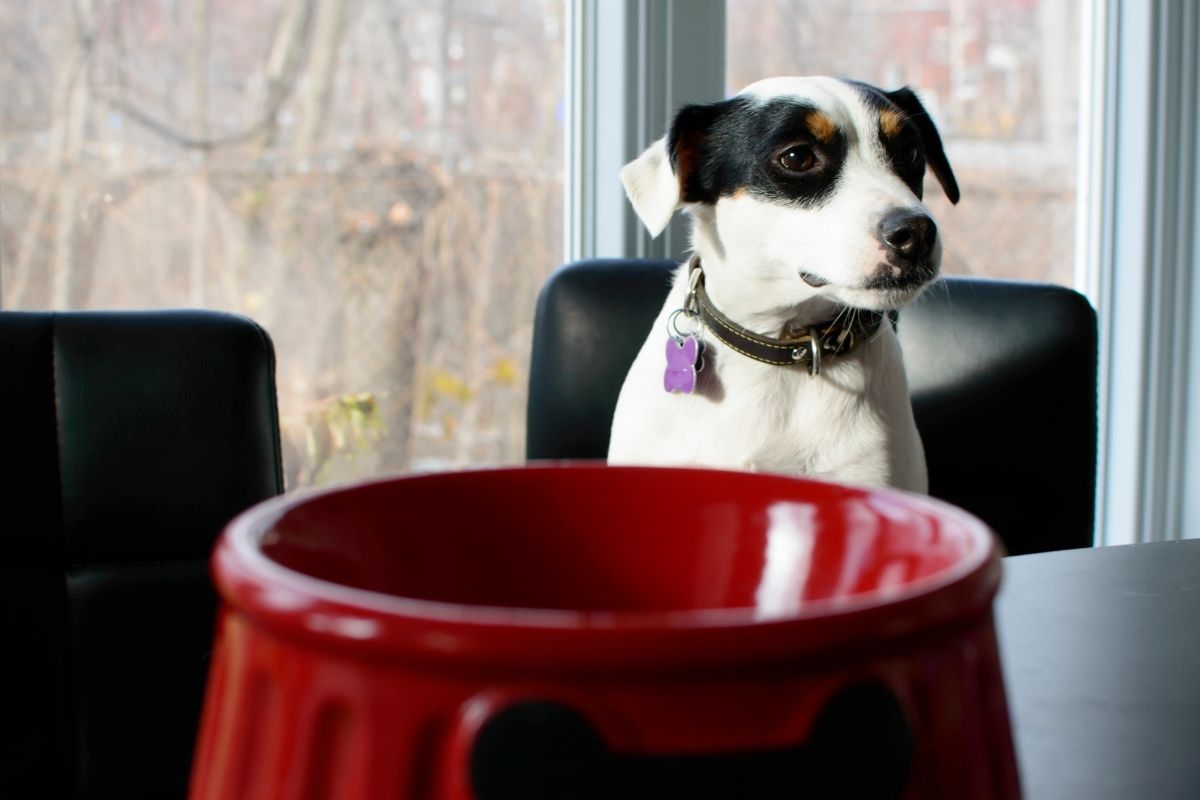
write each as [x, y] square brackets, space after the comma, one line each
[1101, 652]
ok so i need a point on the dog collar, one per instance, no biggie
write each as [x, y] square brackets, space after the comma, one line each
[814, 344]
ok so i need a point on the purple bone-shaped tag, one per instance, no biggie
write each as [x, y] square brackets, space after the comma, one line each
[683, 356]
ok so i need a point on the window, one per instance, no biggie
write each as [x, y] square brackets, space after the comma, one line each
[378, 183]
[1000, 77]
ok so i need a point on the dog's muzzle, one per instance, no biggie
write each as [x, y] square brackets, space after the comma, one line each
[909, 239]
[909, 236]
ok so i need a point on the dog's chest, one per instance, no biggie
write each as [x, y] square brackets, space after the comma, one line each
[783, 419]
[851, 422]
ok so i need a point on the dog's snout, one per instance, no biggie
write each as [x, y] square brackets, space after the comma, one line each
[910, 236]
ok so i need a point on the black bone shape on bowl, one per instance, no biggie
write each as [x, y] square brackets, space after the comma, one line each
[860, 747]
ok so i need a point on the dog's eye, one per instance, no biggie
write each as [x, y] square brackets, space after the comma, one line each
[798, 159]
[913, 154]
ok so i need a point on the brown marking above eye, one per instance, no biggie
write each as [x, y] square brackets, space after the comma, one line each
[821, 126]
[891, 122]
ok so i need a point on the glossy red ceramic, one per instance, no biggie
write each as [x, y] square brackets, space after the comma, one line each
[368, 634]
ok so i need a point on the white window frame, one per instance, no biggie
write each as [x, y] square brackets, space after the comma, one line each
[639, 61]
[1138, 229]
[1138, 212]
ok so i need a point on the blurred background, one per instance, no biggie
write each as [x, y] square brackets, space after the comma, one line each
[380, 183]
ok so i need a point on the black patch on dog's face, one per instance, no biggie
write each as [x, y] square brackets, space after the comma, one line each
[721, 149]
[906, 158]
[917, 131]
[903, 147]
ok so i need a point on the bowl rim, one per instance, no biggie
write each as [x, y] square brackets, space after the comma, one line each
[295, 603]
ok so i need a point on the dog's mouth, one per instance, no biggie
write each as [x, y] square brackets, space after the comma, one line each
[889, 278]
[815, 281]
[888, 288]
[892, 277]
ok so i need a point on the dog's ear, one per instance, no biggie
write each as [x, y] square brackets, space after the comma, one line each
[652, 187]
[666, 176]
[931, 142]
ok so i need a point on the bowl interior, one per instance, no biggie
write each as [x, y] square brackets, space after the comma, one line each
[622, 540]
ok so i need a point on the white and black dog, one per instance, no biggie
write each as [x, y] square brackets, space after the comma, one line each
[808, 228]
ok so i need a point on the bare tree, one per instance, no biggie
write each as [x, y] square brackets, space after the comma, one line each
[359, 186]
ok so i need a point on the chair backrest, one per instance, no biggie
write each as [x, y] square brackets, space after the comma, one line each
[130, 439]
[1002, 377]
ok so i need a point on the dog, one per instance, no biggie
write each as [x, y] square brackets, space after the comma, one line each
[809, 231]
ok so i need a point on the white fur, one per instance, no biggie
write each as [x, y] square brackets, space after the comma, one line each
[851, 423]
[652, 187]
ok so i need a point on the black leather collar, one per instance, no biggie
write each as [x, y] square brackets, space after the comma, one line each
[811, 346]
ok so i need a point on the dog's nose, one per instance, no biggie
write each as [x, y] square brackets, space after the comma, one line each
[911, 236]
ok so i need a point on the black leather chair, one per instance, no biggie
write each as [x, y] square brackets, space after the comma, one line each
[129, 440]
[1002, 377]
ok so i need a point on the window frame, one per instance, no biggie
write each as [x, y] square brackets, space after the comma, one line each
[639, 60]
[1137, 228]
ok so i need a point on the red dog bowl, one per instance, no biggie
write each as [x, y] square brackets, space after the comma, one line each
[589, 632]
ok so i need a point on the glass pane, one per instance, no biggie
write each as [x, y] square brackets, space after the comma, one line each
[999, 76]
[378, 183]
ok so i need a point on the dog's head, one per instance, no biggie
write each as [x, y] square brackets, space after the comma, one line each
[810, 187]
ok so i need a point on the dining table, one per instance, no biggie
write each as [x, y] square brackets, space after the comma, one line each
[1101, 655]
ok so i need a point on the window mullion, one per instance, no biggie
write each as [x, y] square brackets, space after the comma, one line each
[632, 64]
